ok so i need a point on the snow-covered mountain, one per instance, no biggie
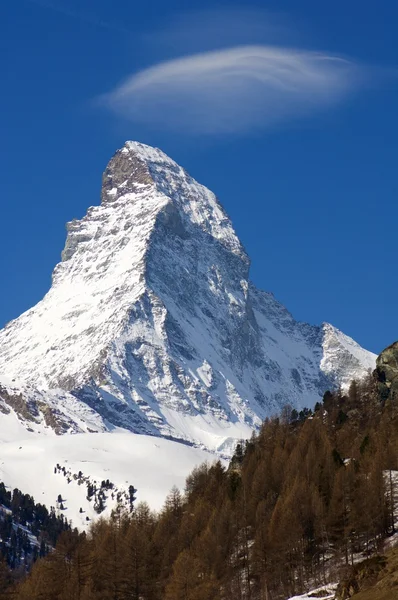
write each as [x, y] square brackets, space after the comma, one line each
[151, 323]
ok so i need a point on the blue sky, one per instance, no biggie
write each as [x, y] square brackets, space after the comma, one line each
[287, 110]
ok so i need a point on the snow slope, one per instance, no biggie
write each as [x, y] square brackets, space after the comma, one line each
[152, 465]
[152, 323]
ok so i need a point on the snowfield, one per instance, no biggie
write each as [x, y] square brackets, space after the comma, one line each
[152, 465]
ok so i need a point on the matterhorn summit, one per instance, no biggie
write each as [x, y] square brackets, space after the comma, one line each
[151, 323]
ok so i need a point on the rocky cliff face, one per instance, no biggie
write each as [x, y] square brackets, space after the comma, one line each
[152, 324]
[387, 372]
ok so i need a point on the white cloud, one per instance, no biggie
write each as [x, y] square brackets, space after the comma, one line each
[234, 90]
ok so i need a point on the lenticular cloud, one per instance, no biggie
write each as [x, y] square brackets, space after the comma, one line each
[234, 90]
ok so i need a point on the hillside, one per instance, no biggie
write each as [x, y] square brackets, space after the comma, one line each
[301, 502]
[372, 579]
[48, 466]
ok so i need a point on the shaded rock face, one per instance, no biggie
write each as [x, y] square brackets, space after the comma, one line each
[152, 323]
[32, 410]
[386, 372]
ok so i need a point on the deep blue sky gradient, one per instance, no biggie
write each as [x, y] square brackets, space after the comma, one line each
[314, 201]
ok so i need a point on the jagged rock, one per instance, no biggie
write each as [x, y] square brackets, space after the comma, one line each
[152, 323]
[387, 372]
[26, 409]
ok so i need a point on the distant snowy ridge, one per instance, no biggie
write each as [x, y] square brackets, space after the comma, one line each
[151, 323]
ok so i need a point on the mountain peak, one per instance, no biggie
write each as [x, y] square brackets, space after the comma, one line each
[152, 213]
[151, 320]
[149, 154]
[132, 167]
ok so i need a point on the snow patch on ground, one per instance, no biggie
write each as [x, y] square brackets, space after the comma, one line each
[326, 592]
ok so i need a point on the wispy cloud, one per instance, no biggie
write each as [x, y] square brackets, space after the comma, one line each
[234, 90]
